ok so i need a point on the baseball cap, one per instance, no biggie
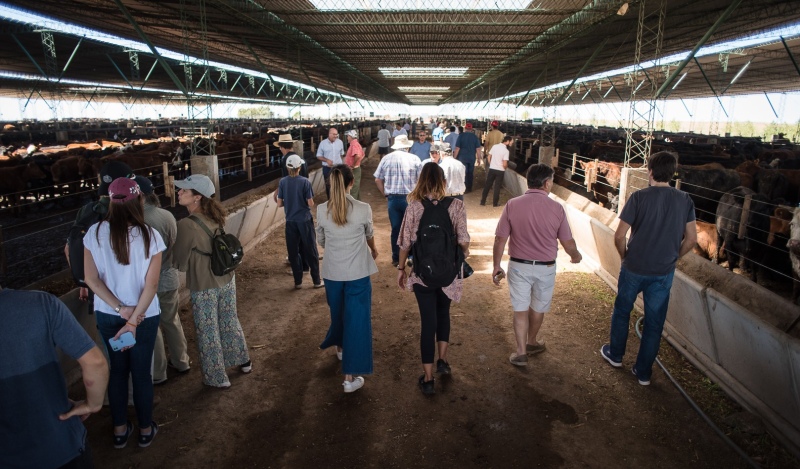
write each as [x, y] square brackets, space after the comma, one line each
[144, 184]
[294, 162]
[122, 190]
[467, 126]
[352, 133]
[495, 124]
[199, 182]
[111, 171]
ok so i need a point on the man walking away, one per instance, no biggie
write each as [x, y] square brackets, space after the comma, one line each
[330, 152]
[493, 137]
[383, 141]
[454, 172]
[396, 176]
[451, 137]
[466, 147]
[39, 425]
[663, 229]
[534, 223]
[296, 198]
[498, 163]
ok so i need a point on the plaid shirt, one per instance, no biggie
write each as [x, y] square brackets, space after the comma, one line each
[399, 171]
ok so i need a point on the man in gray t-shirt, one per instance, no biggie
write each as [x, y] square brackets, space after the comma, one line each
[662, 224]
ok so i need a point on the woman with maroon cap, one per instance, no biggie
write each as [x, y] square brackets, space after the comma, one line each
[122, 263]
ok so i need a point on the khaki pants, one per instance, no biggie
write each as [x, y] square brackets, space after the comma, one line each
[356, 190]
[173, 332]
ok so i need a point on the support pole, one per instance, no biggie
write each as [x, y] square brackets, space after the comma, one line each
[791, 56]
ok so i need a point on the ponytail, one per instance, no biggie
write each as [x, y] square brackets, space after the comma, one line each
[341, 177]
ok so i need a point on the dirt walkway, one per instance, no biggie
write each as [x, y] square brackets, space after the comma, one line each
[567, 409]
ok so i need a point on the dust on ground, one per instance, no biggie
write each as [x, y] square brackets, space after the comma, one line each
[568, 408]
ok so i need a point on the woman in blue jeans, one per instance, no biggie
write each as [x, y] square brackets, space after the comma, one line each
[122, 262]
[344, 229]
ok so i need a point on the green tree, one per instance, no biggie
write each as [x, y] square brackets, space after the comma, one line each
[258, 112]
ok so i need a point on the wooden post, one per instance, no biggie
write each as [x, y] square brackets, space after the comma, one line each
[165, 173]
[3, 266]
[244, 159]
[678, 184]
[248, 166]
[745, 216]
[554, 163]
[574, 160]
[171, 185]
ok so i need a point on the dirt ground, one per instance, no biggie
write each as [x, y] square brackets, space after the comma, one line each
[568, 408]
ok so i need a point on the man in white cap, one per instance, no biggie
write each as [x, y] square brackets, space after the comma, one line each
[353, 158]
[396, 176]
[296, 197]
[454, 172]
[330, 152]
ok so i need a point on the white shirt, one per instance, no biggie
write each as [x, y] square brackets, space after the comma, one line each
[383, 138]
[499, 154]
[126, 282]
[454, 174]
[399, 132]
[331, 150]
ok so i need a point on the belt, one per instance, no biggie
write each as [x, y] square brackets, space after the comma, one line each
[455, 195]
[523, 261]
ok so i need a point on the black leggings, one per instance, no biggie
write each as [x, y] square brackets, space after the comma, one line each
[434, 313]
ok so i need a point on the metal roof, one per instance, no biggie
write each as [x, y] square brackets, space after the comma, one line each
[339, 53]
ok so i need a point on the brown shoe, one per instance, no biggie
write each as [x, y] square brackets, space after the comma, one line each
[535, 349]
[518, 360]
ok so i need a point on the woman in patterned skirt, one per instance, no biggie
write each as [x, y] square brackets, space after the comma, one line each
[219, 333]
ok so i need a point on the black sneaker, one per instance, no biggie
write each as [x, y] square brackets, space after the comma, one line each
[427, 387]
[247, 367]
[121, 440]
[442, 367]
[145, 440]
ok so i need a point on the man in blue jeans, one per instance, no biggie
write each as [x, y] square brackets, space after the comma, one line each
[396, 176]
[663, 229]
[466, 150]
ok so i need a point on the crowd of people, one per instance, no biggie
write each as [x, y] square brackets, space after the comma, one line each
[129, 252]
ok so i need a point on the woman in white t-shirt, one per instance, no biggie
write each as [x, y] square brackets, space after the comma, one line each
[122, 257]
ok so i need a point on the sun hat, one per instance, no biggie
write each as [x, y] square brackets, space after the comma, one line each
[401, 141]
[199, 182]
[122, 190]
[294, 162]
[283, 138]
[352, 133]
[467, 126]
[111, 171]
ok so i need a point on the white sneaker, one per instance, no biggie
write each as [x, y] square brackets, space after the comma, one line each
[355, 385]
[339, 354]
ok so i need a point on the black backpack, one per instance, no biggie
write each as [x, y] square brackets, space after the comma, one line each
[226, 250]
[435, 251]
[88, 215]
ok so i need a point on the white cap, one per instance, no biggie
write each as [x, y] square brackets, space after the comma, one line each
[352, 133]
[294, 162]
[199, 182]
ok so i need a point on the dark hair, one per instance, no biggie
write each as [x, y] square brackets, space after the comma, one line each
[452, 128]
[383, 126]
[538, 174]
[663, 166]
[211, 208]
[121, 218]
[508, 138]
[286, 145]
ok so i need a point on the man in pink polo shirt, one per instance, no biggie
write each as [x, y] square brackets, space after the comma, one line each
[535, 224]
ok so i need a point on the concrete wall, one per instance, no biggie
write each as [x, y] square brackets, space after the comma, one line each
[250, 224]
[755, 362]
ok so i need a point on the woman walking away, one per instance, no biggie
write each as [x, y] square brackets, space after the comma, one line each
[344, 229]
[353, 158]
[436, 226]
[122, 264]
[219, 334]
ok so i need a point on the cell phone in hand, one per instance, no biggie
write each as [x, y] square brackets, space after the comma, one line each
[125, 340]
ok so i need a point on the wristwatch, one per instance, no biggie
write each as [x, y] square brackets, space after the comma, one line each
[119, 307]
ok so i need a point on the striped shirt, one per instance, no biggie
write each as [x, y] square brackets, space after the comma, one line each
[399, 171]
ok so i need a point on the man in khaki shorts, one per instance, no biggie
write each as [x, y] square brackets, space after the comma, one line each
[534, 224]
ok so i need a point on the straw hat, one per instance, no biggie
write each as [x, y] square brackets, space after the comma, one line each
[283, 138]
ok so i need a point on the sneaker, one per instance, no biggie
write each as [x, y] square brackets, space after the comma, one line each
[518, 360]
[157, 382]
[178, 370]
[355, 385]
[531, 350]
[643, 382]
[442, 367]
[428, 387]
[298, 286]
[605, 352]
[339, 354]
[121, 440]
[145, 440]
[247, 367]
[319, 285]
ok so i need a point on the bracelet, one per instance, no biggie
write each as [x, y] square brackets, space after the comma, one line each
[131, 324]
[403, 268]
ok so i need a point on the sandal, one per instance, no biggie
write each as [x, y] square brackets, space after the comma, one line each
[121, 440]
[145, 440]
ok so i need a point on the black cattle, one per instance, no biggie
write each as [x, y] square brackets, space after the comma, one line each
[752, 248]
[706, 187]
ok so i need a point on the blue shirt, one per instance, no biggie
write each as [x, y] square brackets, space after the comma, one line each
[295, 192]
[331, 150]
[32, 385]
[452, 138]
[437, 134]
[468, 143]
[422, 150]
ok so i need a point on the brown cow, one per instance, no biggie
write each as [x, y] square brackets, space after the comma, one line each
[67, 171]
[14, 182]
[707, 246]
[780, 223]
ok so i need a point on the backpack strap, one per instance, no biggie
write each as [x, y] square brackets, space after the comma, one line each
[202, 225]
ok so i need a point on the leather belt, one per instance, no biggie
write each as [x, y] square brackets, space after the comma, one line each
[455, 195]
[523, 261]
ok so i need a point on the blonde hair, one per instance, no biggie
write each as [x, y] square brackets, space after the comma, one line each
[293, 172]
[431, 183]
[341, 177]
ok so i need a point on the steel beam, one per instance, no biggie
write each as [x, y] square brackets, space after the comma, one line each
[791, 56]
[580, 72]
